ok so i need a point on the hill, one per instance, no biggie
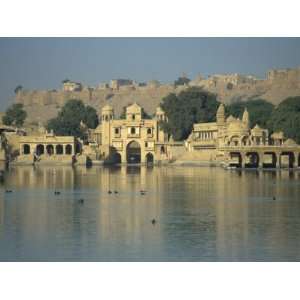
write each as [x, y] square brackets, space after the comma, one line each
[42, 105]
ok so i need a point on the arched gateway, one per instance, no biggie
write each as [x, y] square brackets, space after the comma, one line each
[133, 153]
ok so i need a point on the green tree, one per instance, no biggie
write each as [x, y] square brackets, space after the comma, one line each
[190, 106]
[15, 115]
[259, 111]
[286, 117]
[181, 81]
[68, 119]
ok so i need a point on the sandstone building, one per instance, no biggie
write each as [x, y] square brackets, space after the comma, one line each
[71, 86]
[133, 139]
[232, 140]
[46, 148]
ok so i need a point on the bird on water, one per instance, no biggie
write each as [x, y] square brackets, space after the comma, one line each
[109, 192]
[56, 193]
[81, 201]
[153, 221]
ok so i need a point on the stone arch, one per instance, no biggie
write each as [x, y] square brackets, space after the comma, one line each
[289, 162]
[133, 152]
[78, 147]
[149, 158]
[26, 149]
[234, 140]
[253, 160]
[237, 157]
[117, 159]
[40, 149]
[59, 149]
[68, 149]
[244, 140]
[50, 149]
[273, 162]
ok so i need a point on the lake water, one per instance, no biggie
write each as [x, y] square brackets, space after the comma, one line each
[202, 214]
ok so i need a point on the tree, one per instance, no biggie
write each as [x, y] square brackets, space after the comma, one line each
[259, 111]
[68, 120]
[181, 81]
[15, 115]
[18, 89]
[286, 118]
[190, 106]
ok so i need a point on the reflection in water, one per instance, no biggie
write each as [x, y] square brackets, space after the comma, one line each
[204, 214]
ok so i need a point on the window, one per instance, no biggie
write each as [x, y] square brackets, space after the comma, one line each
[146, 144]
[132, 130]
[117, 131]
[149, 131]
[133, 117]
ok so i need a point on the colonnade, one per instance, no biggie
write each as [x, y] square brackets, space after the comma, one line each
[50, 149]
[264, 159]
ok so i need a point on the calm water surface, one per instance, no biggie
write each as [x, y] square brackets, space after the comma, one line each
[203, 214]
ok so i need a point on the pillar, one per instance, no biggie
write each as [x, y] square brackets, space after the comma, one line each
[294, 161]
[260, 160]
[243, 160]
[123, 156]
[278, 160]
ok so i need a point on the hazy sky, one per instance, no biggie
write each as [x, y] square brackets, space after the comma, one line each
[42, 63]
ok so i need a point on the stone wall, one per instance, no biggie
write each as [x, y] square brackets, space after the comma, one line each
[279, 84]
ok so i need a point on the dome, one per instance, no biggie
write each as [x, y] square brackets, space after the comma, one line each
[134, 108]
[231, 119]
[290, 142]
[159, 111]
[107, 107]
[236, 126]
[277, 135]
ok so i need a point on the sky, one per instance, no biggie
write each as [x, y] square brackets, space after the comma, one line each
[42, 63]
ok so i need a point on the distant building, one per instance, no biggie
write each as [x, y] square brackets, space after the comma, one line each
[71, 86]
[117, 83]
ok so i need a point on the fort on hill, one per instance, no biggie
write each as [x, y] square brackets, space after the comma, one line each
[42, 105]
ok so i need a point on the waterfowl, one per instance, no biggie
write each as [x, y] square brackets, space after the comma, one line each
[109, 192]
[153, 221]
[274, 198]
[116, 192]
[56, 193]
[81, 201]
[8, 191]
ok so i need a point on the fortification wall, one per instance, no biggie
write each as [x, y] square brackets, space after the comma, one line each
[278, 85]
[43, 105]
